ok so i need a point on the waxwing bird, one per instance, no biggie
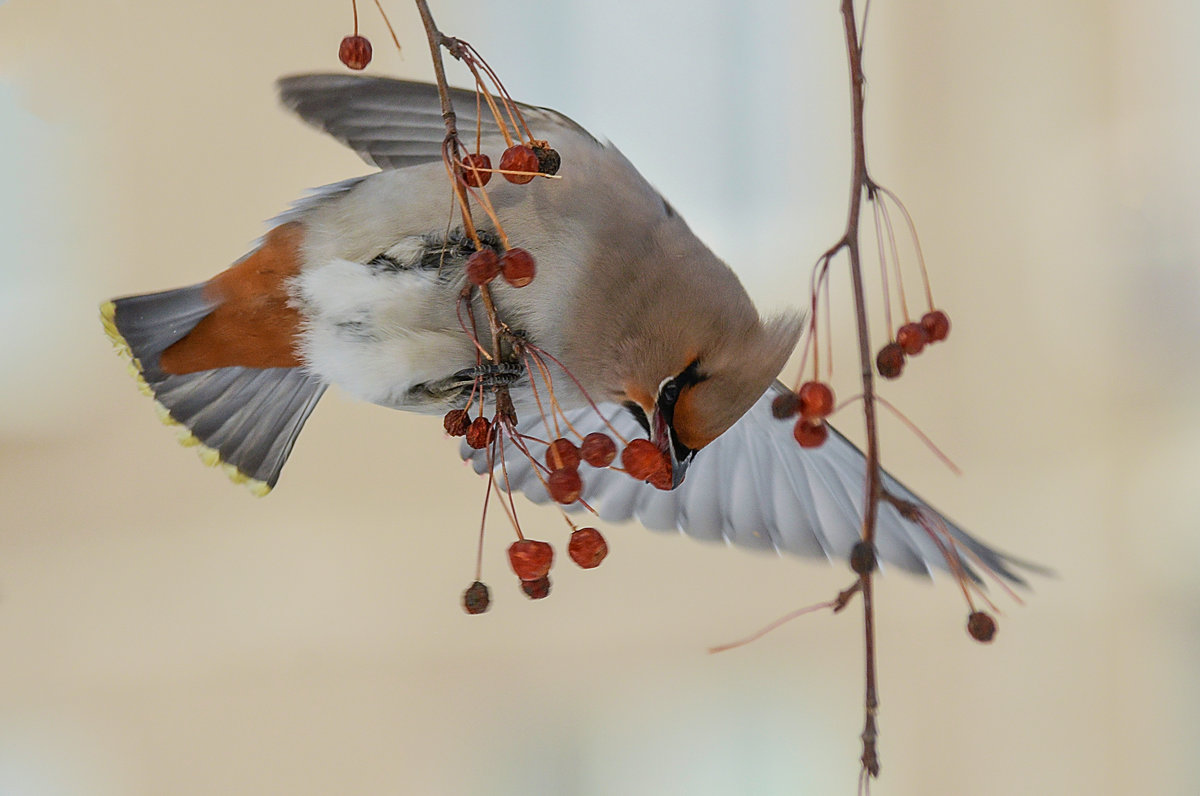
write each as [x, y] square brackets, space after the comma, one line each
[358, 285]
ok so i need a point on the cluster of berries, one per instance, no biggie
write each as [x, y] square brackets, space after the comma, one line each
[531, 561]
[519, 164]
[813, 402]
[911, 339]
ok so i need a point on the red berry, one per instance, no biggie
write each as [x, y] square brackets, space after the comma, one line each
[890, 361]
[816, 400]
[643, 460]
[536, 589]
[587, 548]
[480, 433]
[482, 266]
[936, 324]
[564, 485]
[981, 626]
[456, 422]
[785, 405]
[598, 449]
[810, 433]
[355, 52]
[661, 480]
[529, 559]
[520, 158]
[476, 598]
[912, 338]
[475, 170]
[562, 453]
[518, 267]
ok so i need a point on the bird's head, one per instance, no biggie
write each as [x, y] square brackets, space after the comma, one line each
[694, 396]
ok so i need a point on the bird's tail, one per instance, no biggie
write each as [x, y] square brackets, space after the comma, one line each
[244, 419]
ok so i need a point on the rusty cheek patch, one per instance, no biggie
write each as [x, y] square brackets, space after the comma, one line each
[252, 326]
[690, 429]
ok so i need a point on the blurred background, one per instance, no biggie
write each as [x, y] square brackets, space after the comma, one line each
[164, 632]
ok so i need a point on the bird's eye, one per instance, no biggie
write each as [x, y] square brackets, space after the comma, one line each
[669, 393]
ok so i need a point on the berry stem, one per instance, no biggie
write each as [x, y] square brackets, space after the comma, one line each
[912, 230]
[354, 8]
[386, 21]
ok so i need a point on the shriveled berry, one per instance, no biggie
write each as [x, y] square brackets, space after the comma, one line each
[981, 626]
[816, 400]
[936, 325]
[890, 361]
[475, 169]
[519, 158]
[810, 433]
[479, 433]
[530, 559]
[456, 422]
[518, 267]
[562, 453]
[476, 598]
[564, 485]
[785, 405]
[862, 558]
[598, 449]
[587, 548]
[536, 589]
[912, 338]
[548, 159]
[355, 52]
[482, 266]
[643, 460]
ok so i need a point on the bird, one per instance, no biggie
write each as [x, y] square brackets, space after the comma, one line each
[358, 285]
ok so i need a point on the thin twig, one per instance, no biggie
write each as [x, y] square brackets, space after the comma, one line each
[858, 183]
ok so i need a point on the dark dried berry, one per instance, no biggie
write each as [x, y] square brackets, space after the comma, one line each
[530, 559]
[587, 548]
[480, 433]
[598, 449]
[981, 626]
[518, 267]
[482, 266]
[519, 158]
[564, 485]
[536, 589]
[785, 405]
[548, 160]
[862, 558]
[936, 324]
[562, 453]
[476, 598]
[890, 361]
[355, 52]
[810, 433]
[456, 422]
[475, 170]
[816, 400]
[912, 338]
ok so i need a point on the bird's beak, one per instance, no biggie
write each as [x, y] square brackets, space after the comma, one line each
[663, 436]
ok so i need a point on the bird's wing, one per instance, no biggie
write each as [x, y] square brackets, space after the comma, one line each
[393, 124]
[754, 487]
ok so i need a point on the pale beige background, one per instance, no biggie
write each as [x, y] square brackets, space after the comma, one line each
[164, 633]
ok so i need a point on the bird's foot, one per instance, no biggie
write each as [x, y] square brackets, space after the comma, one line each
[491, 375]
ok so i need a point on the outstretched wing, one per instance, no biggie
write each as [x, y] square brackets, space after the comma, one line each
[393, 124]
[755, 487]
